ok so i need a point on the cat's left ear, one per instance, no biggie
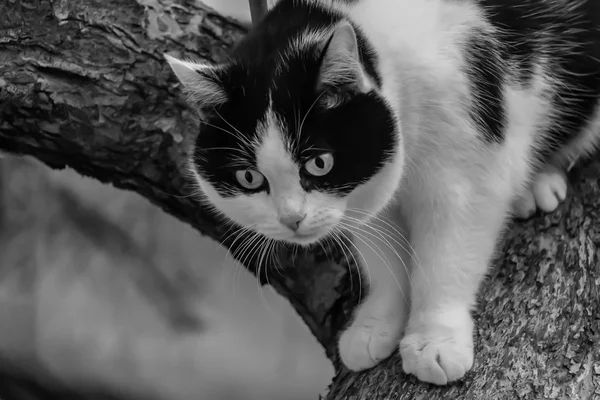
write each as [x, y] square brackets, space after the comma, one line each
[341, 71]
[201, 82]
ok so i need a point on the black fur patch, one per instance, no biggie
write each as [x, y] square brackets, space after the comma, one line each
[486, 73]
[567, 34]
[359, 132]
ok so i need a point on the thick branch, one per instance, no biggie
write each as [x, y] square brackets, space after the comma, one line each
[83, 84]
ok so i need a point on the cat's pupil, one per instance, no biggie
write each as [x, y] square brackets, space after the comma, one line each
[320, 163]
[248, 177]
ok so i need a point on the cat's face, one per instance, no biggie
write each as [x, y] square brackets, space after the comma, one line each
[298, 147]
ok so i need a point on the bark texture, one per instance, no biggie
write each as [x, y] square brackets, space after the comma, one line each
[83, 84]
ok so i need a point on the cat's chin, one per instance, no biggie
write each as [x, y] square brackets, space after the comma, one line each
[302, 240]
[306, 240]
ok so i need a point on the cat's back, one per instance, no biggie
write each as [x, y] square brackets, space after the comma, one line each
[557, 41]
[474, 48]
[549, 48]
[530, 32]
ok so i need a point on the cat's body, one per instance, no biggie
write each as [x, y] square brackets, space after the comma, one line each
[442, 116]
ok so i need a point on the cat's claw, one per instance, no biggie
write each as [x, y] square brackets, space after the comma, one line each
[547, 191]
[438, 354]
[365, 343]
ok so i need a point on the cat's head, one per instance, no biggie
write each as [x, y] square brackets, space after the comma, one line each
[297, 142]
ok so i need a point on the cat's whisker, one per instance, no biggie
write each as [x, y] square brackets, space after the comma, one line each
[256, 250]
[242, 252]
[250, 249]
[177, 196]
[231, 149]
[323, 245]
[315, 149]
[234, 230]
[239, 265]
[238, 155]
[238, 164]
[240, 136]
[345, 250]
[238, 231]
[297, 125]
[264, 246]
[377, 250]
[308, 112]
[195, 192]
[345, 239]
[384, 236]
[358, 265]
[294, 254]
[274, 257]
[412, 253]
[253, 248]
[241, 233]
[333, 240]
[377, 217]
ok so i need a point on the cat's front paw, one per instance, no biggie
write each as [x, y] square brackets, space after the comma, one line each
[437, 352]
[547, 191]
[368, 341]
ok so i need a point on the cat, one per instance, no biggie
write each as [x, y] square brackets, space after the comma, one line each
[443, 118]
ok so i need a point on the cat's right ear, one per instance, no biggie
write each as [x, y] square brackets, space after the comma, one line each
[341, 73]
[201, 83]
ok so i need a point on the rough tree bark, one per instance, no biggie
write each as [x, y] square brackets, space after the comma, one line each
[83, 84]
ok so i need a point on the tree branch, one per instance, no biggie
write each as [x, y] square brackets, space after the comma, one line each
[83, 84]
[258, 8]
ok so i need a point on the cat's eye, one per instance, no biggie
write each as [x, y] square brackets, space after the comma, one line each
[249, 178]
[319, 165]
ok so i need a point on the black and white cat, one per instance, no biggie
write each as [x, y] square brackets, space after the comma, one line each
[441, 116]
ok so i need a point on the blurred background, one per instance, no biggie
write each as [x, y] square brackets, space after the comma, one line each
[85, 270]
[81, 266]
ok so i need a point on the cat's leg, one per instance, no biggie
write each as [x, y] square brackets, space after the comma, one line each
[454, 237]
[547, 190]
[380, 319]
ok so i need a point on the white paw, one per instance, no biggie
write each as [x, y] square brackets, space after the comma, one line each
[437, 353]
[550, 188]
[368, 341]
[547, 191]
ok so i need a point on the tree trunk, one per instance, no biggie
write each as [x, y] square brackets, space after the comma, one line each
[83, 84]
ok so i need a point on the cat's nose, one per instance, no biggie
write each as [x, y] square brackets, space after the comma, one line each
[292, 220]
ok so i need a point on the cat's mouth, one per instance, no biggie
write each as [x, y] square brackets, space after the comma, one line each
[304, 239]
[311, 236]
